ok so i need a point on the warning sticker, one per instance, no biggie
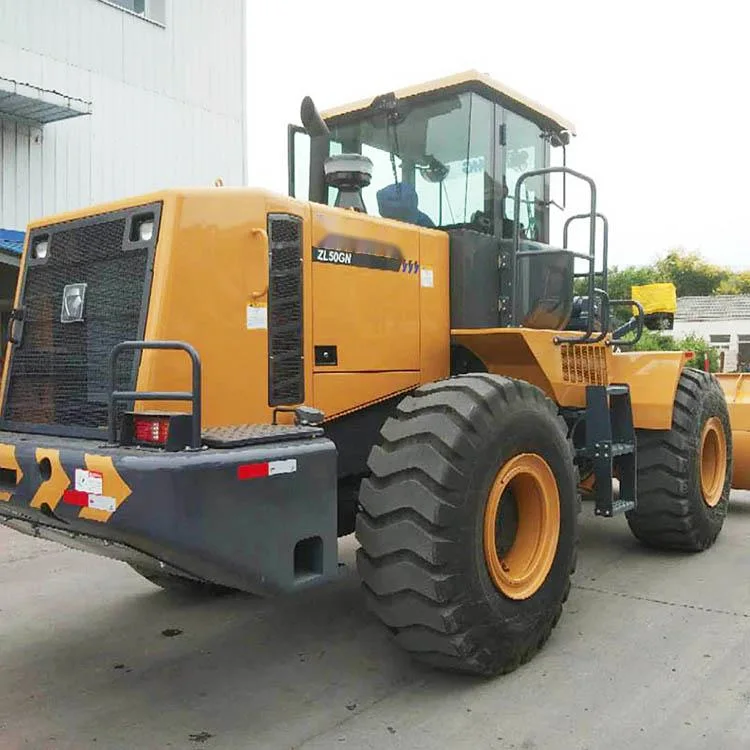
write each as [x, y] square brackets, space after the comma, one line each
[102, 502]
[89, 481]
[257, 318]
[427, 278]
[282, 467]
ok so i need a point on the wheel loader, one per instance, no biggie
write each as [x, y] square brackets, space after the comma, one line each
[214, 385]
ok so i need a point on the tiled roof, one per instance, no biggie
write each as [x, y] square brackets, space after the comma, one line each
[718, 307]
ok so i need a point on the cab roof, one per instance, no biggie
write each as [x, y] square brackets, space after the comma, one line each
[471, 80]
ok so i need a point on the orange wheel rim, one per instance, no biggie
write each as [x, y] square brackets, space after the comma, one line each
[520, 558]
[713, 461]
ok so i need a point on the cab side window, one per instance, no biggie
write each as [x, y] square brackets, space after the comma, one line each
[525, 150]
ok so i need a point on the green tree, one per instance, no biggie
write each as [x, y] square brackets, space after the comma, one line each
[736, 283]
[693, 343]
[620, 281]
[688, 271]
[690, 274]
[653, 341]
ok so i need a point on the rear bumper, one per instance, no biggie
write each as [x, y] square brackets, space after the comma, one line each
[212, 514]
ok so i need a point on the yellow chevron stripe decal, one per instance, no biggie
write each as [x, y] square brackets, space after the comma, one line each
[8, 461]
[50, 490]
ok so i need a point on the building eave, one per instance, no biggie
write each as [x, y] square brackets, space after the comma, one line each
[28, 103]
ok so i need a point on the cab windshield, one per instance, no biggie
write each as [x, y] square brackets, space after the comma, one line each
[448, 162]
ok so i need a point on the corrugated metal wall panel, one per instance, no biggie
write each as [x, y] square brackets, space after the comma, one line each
[8, 193]
[49, 183]
[166, 102]
[36, 202]
[23, 169]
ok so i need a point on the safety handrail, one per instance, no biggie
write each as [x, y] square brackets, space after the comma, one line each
[635, 321]
[193, 396]
[605, 316]
[605, 241]
[591, 257]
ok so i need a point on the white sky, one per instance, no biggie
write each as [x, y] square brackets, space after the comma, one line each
[658, 90]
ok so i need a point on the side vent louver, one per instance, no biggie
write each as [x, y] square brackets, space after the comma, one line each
[584, 364]
[286, 375]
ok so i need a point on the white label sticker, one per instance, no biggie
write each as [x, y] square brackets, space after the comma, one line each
[102, 502]
[282, 467]
[427, 277]
[89, 481]
[257, 318]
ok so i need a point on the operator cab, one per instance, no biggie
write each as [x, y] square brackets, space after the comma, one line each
[445, 154]
[449, 154]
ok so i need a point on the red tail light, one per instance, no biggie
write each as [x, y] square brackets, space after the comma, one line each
[151, 430]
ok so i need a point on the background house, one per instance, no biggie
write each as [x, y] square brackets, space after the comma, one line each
[102, 99]
[723, 321]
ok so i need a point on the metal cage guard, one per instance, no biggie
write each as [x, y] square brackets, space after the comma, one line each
[590, 257]
[193, 396]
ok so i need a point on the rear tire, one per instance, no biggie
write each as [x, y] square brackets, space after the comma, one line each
[684, 474]
[180, 584]
[437, 563]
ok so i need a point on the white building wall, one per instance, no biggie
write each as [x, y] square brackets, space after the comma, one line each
[707, 328]
[167, 102]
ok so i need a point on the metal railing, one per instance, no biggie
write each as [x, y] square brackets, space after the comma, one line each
[587, 336]
[193, 396]
[605, 243]
[636, 322]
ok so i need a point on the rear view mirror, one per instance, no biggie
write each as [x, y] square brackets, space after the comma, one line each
[559, 139]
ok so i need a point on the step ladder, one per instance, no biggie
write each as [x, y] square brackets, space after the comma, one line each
[610, 447]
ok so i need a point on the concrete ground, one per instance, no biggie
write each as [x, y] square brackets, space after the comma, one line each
[653, 651]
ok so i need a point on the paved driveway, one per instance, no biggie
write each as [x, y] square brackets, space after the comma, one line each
[653, 651]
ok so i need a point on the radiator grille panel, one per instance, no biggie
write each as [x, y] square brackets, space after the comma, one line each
[584, 364]
[286, 377]
[59, 377]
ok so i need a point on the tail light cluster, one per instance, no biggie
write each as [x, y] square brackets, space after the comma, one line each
[151, 430]
[169, 431]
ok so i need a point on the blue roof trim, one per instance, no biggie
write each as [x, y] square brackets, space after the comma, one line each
[11, 241]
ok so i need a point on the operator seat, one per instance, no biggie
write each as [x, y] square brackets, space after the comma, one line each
[399, 201]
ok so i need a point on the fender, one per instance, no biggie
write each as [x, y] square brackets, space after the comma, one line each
[564, 371]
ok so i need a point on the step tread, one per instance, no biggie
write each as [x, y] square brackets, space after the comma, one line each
[618, 390]
[622, 449]
[618, 507]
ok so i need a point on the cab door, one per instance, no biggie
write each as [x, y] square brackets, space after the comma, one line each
[366, 296]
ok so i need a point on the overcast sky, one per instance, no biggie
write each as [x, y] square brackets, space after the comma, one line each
[658, 90]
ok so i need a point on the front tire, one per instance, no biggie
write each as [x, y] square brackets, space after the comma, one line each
[684, 474]
[468, 523]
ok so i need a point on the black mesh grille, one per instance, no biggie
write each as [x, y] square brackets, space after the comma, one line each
[59, 377]
[286, 371]
[285, 228]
